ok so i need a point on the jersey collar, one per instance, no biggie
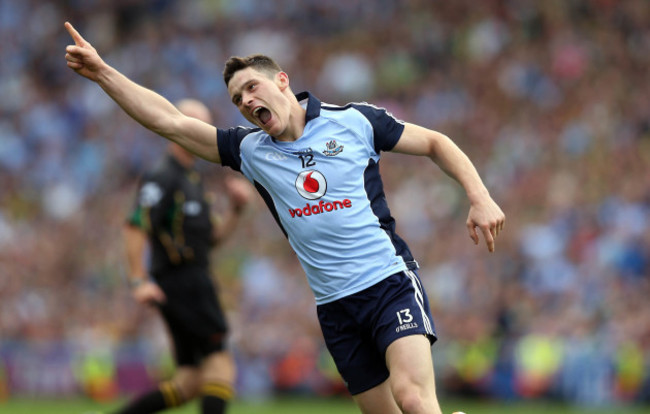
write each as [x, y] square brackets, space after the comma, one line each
[313, 105]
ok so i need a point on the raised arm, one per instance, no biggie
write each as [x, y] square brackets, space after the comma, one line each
[147, 107]
[484, 213]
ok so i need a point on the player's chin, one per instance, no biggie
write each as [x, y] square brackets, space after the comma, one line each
[270, 128]
[259, 124]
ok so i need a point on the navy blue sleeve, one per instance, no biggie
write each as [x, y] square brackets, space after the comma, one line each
[386, 128]
[228, 142]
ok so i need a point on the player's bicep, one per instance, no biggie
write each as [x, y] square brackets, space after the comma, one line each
[417, 140]
[198, 137]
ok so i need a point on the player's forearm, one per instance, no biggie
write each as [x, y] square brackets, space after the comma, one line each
[159, 115]
[455, 163]
[145, 106]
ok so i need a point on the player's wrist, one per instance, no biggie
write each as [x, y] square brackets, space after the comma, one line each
[477, 195]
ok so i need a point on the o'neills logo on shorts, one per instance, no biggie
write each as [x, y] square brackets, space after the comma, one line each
[321, 207]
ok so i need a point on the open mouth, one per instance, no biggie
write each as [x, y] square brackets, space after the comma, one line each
[263, 114]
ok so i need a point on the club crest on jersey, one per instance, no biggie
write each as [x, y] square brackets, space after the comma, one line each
[311, 184]
[332, 148]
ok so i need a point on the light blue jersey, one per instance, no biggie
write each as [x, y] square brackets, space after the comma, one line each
[325, 192]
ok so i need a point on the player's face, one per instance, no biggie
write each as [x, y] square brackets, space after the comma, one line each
[261, 100]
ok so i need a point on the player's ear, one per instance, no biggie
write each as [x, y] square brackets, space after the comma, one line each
[282, 80]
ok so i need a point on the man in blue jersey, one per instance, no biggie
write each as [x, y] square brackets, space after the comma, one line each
[316, 167]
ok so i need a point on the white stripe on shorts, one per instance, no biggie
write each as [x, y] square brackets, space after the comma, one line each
[419, 298]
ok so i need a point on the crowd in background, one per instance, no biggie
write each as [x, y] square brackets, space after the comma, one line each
[549, 99]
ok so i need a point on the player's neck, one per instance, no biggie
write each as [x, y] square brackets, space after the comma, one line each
[296, 125]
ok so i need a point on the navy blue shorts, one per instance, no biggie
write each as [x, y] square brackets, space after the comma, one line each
[358, 328]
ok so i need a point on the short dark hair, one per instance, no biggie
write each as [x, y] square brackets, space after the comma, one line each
[261, 63]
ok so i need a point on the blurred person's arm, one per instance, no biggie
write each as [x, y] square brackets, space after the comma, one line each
[484, 213]
[147, 107]
[144, 290]
[240, 193]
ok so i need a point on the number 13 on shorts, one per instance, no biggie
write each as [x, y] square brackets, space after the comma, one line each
[404, 316]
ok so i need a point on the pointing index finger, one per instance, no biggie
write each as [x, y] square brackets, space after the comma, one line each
[78, 40]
